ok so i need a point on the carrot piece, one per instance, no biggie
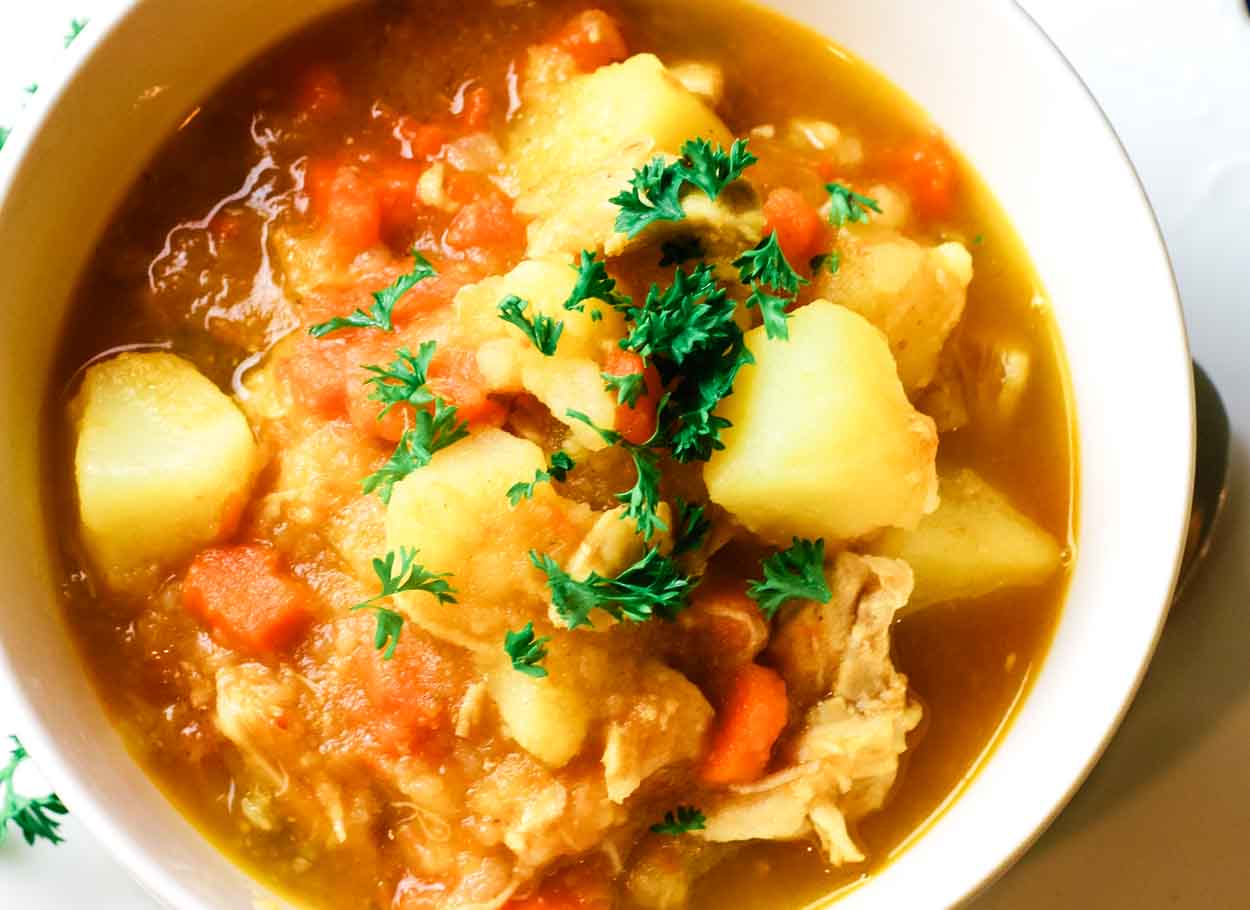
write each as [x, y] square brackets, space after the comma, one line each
[636, 422]
[593, 39]
[927, 170]
[425, 139]
[364, 411]
[314, 370]
[397, 194]
[409, 696]
[320, 92]
[752, 716]
[487, 224]
[800, 230]
[349, 205]
[247, 597]
[477, 108]
[454, 377]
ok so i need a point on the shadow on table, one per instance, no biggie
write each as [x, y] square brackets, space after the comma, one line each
[1200, 669]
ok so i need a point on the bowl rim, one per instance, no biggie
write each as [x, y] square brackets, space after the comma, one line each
[164, 886]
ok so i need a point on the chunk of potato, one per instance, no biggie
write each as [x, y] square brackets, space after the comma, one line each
[975, 543]
[164, 461]
[578, 147]
[824, 442]
[548, 718]
[510, 362]
[913, 293]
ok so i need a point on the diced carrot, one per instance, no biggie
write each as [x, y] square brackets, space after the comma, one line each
[593, 39]
[410, 696]
[927, 170]
[636, 422]
[487, 224]
[751, 717]
[364, 411]
[247, 597]
[801, 232]
[314, 370]
[397, 193]
[320, 92]
[426, 139]
[438, 291]
[477, 108]
[455, 378]
[349, 205]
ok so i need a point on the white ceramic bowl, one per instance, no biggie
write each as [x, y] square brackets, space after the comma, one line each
[1003, 94]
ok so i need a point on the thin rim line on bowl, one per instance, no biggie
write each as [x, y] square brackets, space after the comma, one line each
[992, 875]
[166, 889]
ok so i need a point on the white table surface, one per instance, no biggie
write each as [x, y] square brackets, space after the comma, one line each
[1164, 821]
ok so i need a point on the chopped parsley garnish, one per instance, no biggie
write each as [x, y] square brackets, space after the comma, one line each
[628, 387]
[766, 266]
[380, 314]
[681, 249]
[76, 26]
[407, 576]
[684, 820]
[831, 260]
[559, 468]
[655, 188]
[544, 331]
[526, 651]
[31, 815]
[431, 431]
[797, 573]
[4, 135]
[652, 587]
[403, 382]
[31, 89]
[848, 206]
[643, 498]
[690, 528]
[594, 283]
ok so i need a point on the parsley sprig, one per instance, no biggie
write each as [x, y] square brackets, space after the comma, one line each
[526, 651]
[380, 315]
[628, 387]
[796, 573]
[690, 527]
[642, 500]
[655, 189]
[543, 331]
[409, 575]
[847, 206]
[559, 468]
[652, 587]
[682, 821]
[430, 432]
[766, 266]
[403, 382]
[594, 283]
[31, 815]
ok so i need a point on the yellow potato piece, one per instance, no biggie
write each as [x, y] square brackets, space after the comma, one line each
[975, 543]
[164, 461]
[548, 718]
[824, 442]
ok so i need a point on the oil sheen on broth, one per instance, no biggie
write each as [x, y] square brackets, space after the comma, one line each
[968, 662]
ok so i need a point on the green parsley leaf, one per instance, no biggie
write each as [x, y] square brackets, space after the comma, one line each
[29, 814]
[544, 331]
[652, 587]
[430, 432]
[611, 437]
[628, 388]
[848, 206]
[681, 249]
[690, 528]
[831, 260]
[379, 315]
[526, 651]
[773, 309]
[76, 26]
[711, 170]
[409, 575]
[560, 466]
[693, 314]
[797, 573]
[766, 264]
[403, 382]
[655, 188]
[594, 283]
[31, 89]
[4, 135]
[643, 498]
[683, 821]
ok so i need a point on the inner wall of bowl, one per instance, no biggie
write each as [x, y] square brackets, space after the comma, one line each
[1011, 106]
